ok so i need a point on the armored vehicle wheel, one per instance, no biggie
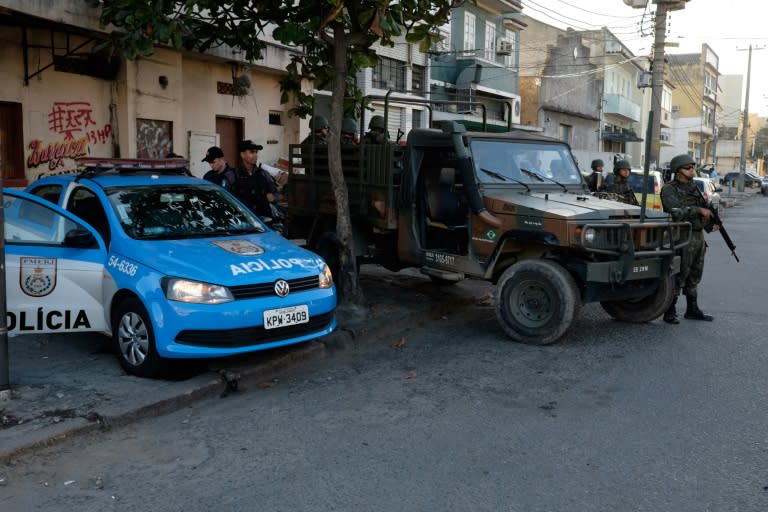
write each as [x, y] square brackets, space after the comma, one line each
[536, 301]
[646, 308]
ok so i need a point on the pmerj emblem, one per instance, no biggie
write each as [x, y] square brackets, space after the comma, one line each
[37, 276]
[242, 247]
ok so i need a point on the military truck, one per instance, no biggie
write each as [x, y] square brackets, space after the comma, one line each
[511, 208]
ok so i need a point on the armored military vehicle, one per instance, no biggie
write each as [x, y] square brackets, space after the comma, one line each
[510, 208]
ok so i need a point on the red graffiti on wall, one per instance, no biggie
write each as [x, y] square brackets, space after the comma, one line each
[55, 152]
[68, 117]
[100, 136]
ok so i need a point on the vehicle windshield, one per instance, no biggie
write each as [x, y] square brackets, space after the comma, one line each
[180, 211]
[526, 163]
[635, 180]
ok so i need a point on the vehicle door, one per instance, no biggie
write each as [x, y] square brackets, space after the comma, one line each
[54, 268]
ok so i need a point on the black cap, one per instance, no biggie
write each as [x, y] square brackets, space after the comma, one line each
[248, 144]
[212, 154]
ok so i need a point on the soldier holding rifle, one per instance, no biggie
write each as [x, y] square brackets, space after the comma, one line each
[682, 198]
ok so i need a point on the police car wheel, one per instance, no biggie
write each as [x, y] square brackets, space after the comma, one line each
[536, 301]
[643, 309]
[134, 339]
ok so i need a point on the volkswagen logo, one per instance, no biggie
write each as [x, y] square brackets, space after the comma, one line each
[282, 288]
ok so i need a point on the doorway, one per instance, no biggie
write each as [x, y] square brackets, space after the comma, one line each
[230, 130]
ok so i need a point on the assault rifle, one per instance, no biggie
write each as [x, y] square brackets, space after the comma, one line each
[716, 221]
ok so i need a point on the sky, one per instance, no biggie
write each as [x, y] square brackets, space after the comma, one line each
[729, 27]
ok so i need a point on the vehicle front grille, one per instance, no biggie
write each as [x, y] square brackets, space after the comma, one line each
[252, 335]
[249, 291]
[640, 238]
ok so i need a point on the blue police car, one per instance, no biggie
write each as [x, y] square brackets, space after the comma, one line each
[168, 265]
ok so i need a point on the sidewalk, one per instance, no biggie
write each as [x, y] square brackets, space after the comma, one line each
[66, 385]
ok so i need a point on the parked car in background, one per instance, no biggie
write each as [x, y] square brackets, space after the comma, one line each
[655, 180]
[708, 189]
[764, 186]
[750, 180]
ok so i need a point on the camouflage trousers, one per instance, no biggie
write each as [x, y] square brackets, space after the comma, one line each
[692, 265]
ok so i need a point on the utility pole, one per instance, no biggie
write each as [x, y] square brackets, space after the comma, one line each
[657, 71]
[745, 127]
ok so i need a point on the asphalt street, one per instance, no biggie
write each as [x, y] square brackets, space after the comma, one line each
[449, 416]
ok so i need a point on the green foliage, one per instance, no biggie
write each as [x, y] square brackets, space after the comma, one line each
[243, 24]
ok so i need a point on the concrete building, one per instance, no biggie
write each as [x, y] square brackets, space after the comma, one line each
[59, 100]
[474, 67]
[694, 104]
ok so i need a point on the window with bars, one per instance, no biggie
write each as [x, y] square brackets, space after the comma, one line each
[389, 74]
[417, 78]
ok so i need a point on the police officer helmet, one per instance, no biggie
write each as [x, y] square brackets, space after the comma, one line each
[621, 164]
[597, 163]
[348, 125]
[376, 122]
[317, 123]
[681, 161]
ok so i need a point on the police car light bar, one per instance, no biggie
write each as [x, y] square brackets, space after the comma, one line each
[131, 163]
[96, 165]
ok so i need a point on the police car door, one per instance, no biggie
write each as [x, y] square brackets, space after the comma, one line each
[54, 268]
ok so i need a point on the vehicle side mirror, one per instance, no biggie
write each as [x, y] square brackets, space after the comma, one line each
[80, 238]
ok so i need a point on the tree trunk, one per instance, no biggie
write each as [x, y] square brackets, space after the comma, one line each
[349, 284]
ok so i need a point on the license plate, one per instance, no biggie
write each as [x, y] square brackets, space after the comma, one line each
[274, 318]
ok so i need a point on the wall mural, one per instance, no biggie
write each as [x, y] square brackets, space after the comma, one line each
[73, 120]
[154, 139]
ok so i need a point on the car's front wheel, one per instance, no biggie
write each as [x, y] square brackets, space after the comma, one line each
[134, 339]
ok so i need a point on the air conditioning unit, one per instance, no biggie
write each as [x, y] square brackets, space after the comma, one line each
[504, 46]
[636, 4]
[675, 108]
[644, 79]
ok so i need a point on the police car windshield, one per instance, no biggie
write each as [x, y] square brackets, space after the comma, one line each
[180, 211]
[525, 163]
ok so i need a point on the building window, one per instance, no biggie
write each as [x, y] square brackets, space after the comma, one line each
[275, 118]
[509, 60]
[416, 118]
[490, 41]
[417, 78]
[11, 145]
[565, 133]
[469, 34]
[389, 74]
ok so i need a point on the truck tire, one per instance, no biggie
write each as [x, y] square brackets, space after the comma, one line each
[645, 308]
[536, 301]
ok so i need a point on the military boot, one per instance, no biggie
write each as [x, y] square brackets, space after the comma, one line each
[670, 315]
[692, 311]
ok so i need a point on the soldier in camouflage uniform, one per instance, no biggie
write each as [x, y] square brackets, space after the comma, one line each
[682, 198]
[620, 184]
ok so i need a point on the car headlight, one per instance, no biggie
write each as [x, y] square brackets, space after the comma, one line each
[195, 292]
[326, 278]
[589, 235]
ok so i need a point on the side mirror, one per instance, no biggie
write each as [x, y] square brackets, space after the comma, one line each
[80, 238]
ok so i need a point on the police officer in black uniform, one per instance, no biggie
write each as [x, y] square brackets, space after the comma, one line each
[253, 185]
[682, 198]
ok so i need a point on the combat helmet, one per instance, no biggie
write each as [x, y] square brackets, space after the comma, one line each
[348, 125]
[681, 161]
[317, 123]
[597, 163]
[377, 122]
[621, 164]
